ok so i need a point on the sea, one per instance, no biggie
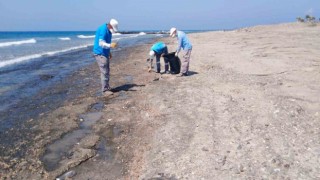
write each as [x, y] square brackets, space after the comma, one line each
[30, 61]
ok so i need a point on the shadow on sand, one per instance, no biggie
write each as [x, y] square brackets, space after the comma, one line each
[191, 73]
[126, 87]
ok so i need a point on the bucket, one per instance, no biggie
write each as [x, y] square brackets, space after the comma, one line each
[174, 62]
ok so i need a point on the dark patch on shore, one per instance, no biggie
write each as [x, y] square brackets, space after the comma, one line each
[54, 113]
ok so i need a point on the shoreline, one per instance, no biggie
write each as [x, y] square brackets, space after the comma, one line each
[80, 91]
[249, 109]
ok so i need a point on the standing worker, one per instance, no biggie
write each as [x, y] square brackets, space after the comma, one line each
[159, 49]
[185, 44]
[101, 51]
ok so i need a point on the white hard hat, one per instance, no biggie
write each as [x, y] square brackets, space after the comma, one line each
[172, 31]
[114, 23]
[152, 54]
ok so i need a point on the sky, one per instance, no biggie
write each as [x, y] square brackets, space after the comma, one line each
[87, 15]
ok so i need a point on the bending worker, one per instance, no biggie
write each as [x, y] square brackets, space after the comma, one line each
[185, 44]
[101, 50]
[158, 50]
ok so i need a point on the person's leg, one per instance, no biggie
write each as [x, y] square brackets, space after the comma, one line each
[158, 62]
[166, 62]
[185, 62]
[104, 67]
[188, 58]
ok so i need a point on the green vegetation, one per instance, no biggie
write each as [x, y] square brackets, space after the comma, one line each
[308, 18]
[299, 19]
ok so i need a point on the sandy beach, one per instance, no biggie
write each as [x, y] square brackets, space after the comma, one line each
[250, 109]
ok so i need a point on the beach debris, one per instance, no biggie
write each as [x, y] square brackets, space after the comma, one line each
[205, 149]
[4, 165]
[241, 168]
[287, 165]
[46, 77]
[67, 175]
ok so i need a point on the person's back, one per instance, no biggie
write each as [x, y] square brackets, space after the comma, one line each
[185, 42]
[104, 34]
[158, 47]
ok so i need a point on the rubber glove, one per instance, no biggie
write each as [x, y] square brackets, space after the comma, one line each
[113, 45]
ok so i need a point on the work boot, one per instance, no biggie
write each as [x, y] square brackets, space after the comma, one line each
[182, 74]
[166, 67]
[107, 93]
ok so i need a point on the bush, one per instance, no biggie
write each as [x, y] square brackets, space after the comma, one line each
[311, 20]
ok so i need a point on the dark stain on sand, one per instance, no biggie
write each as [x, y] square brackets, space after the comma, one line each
[60, 149]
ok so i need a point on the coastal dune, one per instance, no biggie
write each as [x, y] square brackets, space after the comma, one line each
[250, 109]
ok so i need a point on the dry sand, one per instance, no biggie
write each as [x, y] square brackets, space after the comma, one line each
[249, 110]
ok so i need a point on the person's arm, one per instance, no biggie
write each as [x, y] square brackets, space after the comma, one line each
[102, 42]
[105, 45]
[179, 45]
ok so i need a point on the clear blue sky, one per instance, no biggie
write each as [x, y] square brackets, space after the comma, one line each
[52, 15]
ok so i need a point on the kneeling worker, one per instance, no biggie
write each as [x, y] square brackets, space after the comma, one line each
[158, 50]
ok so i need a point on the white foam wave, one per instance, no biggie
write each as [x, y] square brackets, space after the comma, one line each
[116, 34]
[142, 33]
[85, 37]
[119, 38]
[16, 43]
[65, 39]
[34, 56]
[134, 36]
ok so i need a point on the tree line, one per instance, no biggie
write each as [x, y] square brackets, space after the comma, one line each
[307, 18]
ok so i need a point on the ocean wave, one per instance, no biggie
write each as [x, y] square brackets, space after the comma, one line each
[116, 34]
[142, 33]
[85, 37]
[34, 56]
[16, 43]
[119, 38]
[65, 39]
[134, 36]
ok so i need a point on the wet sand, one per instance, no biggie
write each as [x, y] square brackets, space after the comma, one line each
[248, 110]
[72, 122]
